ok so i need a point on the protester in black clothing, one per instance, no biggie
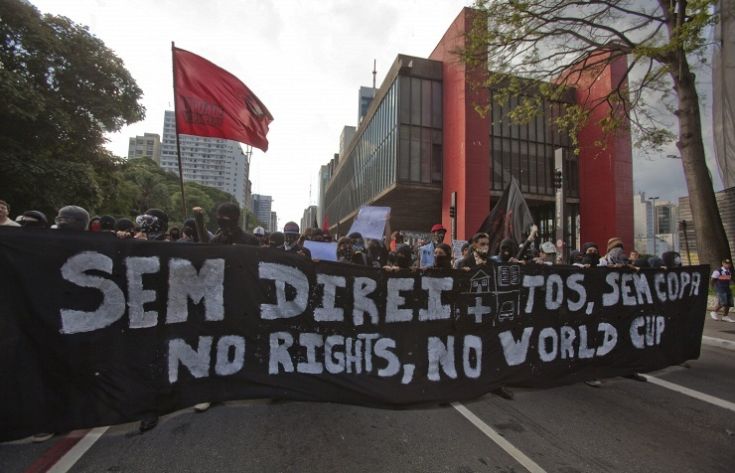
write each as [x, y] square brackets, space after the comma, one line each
[292, 240]
[124, 228]
[590, 255]
[377, 254]
[442, 256]
[229, 233]
[507, 252]
[32, 219]
[671, 259]
[275, 240]
[153, 225]
[477, 255]
[402, 258]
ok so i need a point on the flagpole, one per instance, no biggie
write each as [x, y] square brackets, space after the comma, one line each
[178, 147]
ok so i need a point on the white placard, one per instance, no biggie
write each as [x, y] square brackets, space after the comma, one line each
[324, 251]
[370, 222]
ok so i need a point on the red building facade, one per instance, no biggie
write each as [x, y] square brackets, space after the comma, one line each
[602, 198]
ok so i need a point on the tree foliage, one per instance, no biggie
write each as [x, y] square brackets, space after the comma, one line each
[62, 89]
[552, 45]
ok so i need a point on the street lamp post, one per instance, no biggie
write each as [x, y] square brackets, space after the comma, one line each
[655, 218]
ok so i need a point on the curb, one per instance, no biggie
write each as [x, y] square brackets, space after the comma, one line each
[718, 342]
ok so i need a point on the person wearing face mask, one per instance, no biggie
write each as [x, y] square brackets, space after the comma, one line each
[229, 233]
[507, 253]
[478, 254]
[344, 250]
[426, 252]
[442, 256]
[359, 255]
[402, 258]
[590, 255]
[615, 256]
[292, 240]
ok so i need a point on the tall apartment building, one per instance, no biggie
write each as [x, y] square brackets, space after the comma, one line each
[365, 97]
[309, 218]
[274, 222]
[146, 146]
[262, 210]
[213, 162]
[655, 225]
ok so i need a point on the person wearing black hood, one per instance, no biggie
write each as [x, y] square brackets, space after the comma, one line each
[507, 252]
[229, 233]
[590, 254]
[442, 256]
[32, 219]
[402, 258]
[124, 228]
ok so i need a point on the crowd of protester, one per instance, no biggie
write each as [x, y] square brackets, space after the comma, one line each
[393, 253]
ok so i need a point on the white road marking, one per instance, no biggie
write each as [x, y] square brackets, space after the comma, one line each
[691, 392]
[718, 342]
[77, 451]
[511, 450]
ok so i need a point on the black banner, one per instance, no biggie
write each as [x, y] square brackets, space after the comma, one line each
[97, 331]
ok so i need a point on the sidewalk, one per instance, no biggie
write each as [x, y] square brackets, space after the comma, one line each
[714, 330]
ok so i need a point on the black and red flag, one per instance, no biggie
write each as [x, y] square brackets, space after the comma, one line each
[212, 102]
[509, 218]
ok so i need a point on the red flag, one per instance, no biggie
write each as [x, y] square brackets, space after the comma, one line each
[212, 102]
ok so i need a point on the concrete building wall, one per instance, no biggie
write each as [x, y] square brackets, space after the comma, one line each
[146, 146]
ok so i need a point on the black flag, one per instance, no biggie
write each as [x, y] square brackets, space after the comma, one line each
[509, 218]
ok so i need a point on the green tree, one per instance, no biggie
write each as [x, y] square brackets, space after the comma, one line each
[543, 40]
[61, 90]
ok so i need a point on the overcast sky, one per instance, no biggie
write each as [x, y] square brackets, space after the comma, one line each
[304, 59]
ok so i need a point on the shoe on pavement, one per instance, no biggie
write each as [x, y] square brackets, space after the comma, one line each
[714, 315]
[42, 437]
[503, 392]
[595, 383]
[202, 406]
[637, 377]
[728, 319]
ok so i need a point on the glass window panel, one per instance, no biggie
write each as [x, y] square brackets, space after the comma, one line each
[437, 157]
[426, 155]
[405, 154]
[415, 101]
[404, 101]
[523, 166]
[436, 104]
[426, 103]
[415, 166]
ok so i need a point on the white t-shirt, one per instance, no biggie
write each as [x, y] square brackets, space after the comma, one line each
[9, 223]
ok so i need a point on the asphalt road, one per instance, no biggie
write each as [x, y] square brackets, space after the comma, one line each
[624, 426]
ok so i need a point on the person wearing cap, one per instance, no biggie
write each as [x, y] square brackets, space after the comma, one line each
[547, 254]
[5, 220]
[720, 282]
[259, 234]
[426, 252]
[291, 243]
